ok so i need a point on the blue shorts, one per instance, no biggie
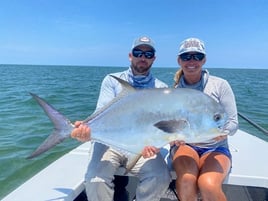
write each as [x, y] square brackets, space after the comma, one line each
[201, 151]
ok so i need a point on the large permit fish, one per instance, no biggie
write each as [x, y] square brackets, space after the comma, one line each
[137, 118]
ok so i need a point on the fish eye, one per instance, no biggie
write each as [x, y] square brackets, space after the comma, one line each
[217, 117]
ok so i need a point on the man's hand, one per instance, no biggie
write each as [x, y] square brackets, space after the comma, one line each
[81, 132]
[149, 151]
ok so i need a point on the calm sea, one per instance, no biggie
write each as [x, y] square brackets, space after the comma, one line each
[74, 90]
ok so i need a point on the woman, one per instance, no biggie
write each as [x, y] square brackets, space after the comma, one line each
[203, 167]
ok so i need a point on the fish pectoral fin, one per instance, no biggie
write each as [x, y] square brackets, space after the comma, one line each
[172, 126]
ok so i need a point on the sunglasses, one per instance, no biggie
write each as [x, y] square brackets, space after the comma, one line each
[188, 57]
[139, 53]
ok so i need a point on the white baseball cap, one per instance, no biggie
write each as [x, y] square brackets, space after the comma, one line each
[192, 45]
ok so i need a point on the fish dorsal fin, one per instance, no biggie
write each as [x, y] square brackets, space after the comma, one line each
[172, 126]
[126, 89]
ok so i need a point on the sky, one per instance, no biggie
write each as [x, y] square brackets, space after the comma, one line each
[101, 32]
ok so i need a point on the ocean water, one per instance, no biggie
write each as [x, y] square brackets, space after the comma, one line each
[74, 90]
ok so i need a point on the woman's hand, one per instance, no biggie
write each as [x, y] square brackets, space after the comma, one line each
[81, 132]
[220, 138]
[149, 151]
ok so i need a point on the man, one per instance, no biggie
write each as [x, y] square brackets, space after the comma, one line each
[152, 172]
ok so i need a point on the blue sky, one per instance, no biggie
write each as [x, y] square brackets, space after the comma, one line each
[100, 33]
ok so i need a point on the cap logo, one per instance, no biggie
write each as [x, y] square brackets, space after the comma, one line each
[192, 43]
[145, 39]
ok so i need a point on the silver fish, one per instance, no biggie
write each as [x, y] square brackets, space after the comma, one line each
[137, 118]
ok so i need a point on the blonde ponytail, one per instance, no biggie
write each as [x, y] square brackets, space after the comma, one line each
[177, 77]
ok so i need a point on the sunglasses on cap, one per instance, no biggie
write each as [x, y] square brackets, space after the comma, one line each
[139, 53]
[188, 57]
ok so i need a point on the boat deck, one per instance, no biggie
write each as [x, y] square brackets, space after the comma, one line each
[63, 179]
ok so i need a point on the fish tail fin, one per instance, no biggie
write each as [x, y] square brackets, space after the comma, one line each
[62, 127]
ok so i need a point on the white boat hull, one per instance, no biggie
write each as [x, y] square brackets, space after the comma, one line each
[63, 179]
